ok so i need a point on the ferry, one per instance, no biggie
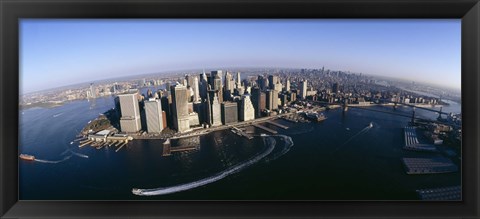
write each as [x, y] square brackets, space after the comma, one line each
[316, 116]
[27, 157]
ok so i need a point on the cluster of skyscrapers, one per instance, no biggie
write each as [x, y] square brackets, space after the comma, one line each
[204, 100]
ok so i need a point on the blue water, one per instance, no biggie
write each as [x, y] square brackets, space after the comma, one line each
[326, 162]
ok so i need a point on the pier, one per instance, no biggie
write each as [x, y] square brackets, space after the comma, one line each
[277, 124]
[411, 141]
[240, 132]
[121, 146]
[265, 128]
[429, 165]
[444, 193]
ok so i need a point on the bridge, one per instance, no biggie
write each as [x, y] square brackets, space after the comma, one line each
[418, 107]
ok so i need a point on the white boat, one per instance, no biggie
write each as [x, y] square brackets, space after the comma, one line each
[136, 191]
[371, 125]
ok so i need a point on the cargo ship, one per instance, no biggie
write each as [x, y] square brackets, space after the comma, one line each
[27, 157]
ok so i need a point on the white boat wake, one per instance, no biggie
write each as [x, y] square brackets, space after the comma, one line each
[73, 153]
[363, 131]
[287, 146]
[269, 141]
[54, 161]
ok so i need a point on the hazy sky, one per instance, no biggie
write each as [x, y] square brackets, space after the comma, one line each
[57, 52]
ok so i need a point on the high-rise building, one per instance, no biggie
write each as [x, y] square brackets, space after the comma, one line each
[261, 82]
[238, 81]
[153, 111]
[303, 90]
[229, 86]
[203, 86]
[287, 85]
[216, 112]
[180, 108]
[130, 108]
[272, 99]
[194, 85]
[216, 84]
[247, 112]
[229, 113]
[258, 101]
[272, 81]
[196, 89]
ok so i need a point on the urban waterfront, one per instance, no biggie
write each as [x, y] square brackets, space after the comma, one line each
[325, 162]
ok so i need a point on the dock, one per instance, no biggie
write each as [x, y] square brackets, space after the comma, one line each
[121, 146]
[240, 132]
[277, 124]
[429, 165]
[182, 148]
[265, 128]
[85, 143]
[444, 193]
[411, 141]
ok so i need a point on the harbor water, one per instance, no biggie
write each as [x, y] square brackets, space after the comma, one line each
[340, 158]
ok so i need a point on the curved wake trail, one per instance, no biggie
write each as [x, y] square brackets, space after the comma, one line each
[288, 145]
[53, 161]
[205, 181]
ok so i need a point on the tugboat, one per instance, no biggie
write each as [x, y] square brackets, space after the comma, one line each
[27, 157]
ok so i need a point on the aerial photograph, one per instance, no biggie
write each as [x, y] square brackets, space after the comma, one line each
[240, 109]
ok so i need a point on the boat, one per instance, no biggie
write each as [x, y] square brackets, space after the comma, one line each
[316, 116]
[27, 157]
[136, 191]
[371, 125]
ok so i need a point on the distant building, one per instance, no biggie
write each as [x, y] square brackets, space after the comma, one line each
[247, 112]
[229, 112]
[130, 109]
[180, 108]
[153, 111]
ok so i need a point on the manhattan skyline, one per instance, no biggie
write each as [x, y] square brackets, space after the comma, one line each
[56, 52]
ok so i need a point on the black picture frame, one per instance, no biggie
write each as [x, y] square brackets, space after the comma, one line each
[11, 11]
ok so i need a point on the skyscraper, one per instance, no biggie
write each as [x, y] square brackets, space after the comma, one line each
[287, 85]
[238, 81]
[303, 90]
[203, 86]
[130, 109]
[196, 90]
[247, 112]
[272, 99]
[229, 113]
[258, 101]
[272, 80]
[216, 112]
[154, 116]
[180, 108]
